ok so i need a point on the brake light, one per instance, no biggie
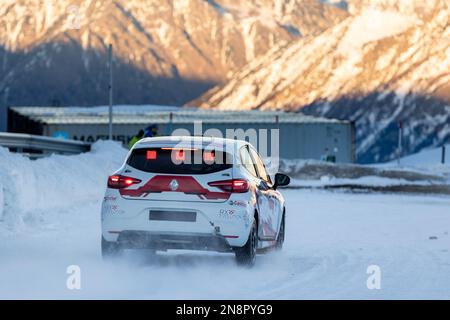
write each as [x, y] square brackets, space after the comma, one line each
[233, 186]
[151, 154]
[120, 182]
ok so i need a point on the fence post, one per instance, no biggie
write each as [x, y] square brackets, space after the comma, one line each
[353, 139]
[4, 111]
[400, 141]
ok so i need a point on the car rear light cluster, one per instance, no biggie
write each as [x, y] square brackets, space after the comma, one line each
[233, 185]
[120, 182]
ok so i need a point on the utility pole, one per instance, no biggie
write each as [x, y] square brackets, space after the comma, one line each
[110, 88]
[443, 155]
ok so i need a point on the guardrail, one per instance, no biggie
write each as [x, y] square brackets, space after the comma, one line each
[37, 146]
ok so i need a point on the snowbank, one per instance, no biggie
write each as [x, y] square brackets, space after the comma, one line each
[425, 160]
[421, 169]
[31, 188]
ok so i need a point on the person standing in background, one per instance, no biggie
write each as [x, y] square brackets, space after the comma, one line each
[136, 138]
[151, 131]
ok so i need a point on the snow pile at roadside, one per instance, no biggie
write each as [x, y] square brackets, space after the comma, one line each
[421, 169]
[368, 181]
[428, 160]
[31, 188]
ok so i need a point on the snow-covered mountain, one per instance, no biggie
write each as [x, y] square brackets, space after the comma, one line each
[388, 62]
[410, 7]
[167, 52]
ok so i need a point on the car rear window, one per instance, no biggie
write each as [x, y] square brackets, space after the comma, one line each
[179, 161]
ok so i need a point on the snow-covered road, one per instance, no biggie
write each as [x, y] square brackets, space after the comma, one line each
[332, 237]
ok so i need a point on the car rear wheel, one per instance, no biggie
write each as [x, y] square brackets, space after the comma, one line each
[110, 249]
[246, 255]
[281, 234]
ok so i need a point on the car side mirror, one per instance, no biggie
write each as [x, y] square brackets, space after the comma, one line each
[281, 180]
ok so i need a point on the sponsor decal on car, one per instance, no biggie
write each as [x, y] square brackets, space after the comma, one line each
[112, 209]
[238, 203]
[227, 213]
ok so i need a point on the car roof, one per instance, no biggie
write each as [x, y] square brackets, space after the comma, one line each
[168, 141]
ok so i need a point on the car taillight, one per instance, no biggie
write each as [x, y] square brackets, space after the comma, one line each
[120, 182]
[234, 185]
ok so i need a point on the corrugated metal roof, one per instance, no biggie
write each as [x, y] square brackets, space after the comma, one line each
[160, 114]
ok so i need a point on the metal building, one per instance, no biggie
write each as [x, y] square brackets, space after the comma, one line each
[299, 136]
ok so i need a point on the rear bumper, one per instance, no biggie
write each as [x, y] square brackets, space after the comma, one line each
[231, 221]
[173, 240]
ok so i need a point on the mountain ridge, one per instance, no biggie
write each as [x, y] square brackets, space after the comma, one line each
[378, 67]
[175, 49]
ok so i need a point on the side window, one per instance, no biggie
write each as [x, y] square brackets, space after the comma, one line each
[260, 166]
[247, 161]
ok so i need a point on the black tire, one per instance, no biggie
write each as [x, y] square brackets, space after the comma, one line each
[281, 234]
[246, 255]
[110, 249]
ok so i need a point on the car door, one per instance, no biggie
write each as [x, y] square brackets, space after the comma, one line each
[269, 201]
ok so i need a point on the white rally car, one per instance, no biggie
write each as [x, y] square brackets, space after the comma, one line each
[193, 193]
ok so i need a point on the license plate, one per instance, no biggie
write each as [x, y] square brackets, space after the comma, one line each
[182, 216]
